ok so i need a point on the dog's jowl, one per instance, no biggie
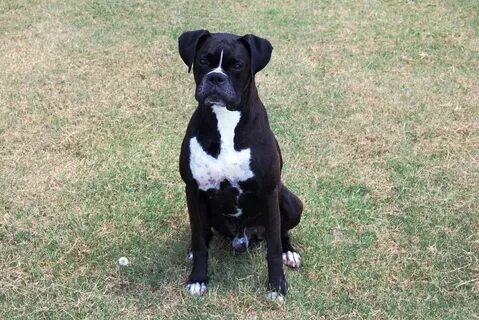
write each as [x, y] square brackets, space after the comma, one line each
[230, 160]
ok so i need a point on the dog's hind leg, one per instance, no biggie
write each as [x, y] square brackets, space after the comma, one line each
[291, 209]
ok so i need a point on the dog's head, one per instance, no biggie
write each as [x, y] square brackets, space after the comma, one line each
[224, 65]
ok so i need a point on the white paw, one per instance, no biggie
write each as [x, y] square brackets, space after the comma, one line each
[275, 297]
[196, 288]
[240, 243]
[292, 259]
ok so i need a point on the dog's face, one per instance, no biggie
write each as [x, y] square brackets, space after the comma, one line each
[224, 65]
[221, 71]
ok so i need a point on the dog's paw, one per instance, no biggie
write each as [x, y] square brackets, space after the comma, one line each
[292, 259]
[196, 288]
[275, 297]
[240, 243]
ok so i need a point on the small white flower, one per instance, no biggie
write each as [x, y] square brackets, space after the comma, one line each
[123, 261]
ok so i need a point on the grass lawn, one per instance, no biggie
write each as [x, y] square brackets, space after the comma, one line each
[375, 105]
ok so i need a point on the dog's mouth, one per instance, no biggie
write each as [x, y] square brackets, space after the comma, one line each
[224, 96]
[214, 99]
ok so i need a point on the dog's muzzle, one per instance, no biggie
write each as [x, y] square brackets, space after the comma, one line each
[216, 89]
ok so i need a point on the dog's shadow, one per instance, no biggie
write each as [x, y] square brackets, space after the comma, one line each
[164, 266]
[230, 270]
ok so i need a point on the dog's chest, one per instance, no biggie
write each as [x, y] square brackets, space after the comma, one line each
[230, 165]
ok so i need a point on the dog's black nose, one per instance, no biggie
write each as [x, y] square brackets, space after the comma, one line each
[216, 78]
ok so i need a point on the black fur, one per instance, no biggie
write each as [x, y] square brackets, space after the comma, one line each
[265, 202]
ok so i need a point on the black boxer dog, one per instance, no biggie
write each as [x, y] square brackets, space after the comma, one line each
[230, 160]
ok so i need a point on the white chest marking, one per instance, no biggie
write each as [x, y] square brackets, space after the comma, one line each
[231, 165]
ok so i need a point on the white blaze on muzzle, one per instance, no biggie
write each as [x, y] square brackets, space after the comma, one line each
[219, 69]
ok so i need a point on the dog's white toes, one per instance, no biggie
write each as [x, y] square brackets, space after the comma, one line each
[292, 259]
[275, 297]
[240, 243]
[196, 288]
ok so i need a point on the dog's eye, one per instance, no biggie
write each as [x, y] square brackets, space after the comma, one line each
[237, 66]
[203, 61]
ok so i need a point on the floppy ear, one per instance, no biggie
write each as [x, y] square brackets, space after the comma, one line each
[260, 51]
[188, 43]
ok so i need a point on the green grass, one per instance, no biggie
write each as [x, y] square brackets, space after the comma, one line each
[374, 103]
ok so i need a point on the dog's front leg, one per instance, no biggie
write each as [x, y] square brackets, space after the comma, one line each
[276, 279]
[200, 232]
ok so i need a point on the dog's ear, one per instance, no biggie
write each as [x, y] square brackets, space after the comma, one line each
[188, 44]
[260, 51]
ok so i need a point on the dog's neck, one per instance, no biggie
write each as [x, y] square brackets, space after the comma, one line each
[251, 106]
[227, 122]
